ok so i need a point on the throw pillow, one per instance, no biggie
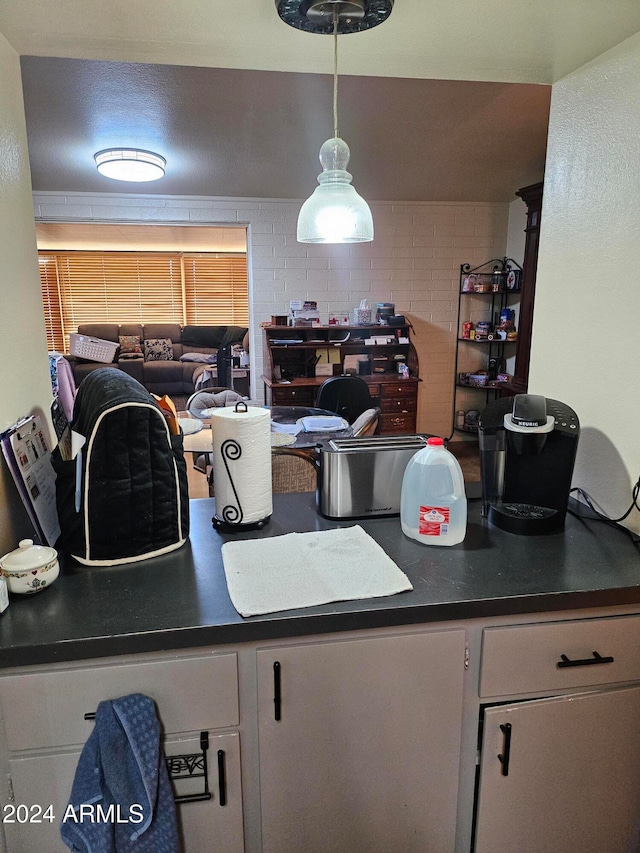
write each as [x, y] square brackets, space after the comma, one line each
[200, 357]
[158, 349]
[130, 344]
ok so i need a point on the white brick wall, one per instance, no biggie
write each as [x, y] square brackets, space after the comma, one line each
[413, 262]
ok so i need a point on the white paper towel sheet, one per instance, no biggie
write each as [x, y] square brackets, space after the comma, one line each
[306, 569]
[242, 464]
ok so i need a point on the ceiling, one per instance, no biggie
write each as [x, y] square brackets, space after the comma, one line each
[500, 40]
[256, 134]
[443, 102]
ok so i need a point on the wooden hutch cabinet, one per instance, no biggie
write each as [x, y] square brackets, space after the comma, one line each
[293, 356]
[532, 197]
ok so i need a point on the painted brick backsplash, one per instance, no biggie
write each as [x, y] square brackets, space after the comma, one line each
[413, 262]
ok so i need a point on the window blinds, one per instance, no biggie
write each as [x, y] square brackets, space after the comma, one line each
[216, 290]
[140, 287]
[51, 302]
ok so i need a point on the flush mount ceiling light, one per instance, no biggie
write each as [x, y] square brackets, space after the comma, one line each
[334, 213]
[130, 164]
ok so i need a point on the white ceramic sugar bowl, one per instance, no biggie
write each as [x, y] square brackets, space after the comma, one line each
[30, 568]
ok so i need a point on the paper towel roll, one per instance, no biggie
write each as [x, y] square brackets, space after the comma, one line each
[242, 464]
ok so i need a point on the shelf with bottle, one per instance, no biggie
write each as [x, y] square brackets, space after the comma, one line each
[490, 339]
[488, 297]
[503, 278]
[499, 329]
[490, 384]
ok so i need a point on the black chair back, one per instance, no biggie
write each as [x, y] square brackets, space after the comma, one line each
[347, 396]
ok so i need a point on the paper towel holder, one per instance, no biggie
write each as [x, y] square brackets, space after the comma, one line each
[233, 514]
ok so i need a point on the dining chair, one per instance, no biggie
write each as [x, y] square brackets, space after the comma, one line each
[292, 471]
[211, 398]
[347, 396]
[366, 423]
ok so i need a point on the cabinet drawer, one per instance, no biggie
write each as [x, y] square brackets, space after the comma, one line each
[293, 396]
[399, 424]
[401, 404]
[525, 658]
[43, 709]
[40, 780]
[398, 389]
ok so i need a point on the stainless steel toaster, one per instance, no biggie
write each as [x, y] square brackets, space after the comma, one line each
[361, 477]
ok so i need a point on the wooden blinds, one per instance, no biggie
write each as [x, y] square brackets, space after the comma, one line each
[140, 287]
[216, 290]
[51, 302]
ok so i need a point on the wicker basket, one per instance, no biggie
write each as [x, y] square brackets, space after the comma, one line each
[93, 349]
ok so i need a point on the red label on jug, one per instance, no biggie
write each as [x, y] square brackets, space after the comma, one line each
[433, 521]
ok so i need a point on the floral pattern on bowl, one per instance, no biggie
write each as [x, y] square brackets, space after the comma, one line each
[30, 581]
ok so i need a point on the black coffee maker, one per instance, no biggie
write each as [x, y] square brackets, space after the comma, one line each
[528, 448]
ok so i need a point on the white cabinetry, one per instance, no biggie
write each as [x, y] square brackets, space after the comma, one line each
[366, 741]
[561, 772]
[360, 743]
[43, 712]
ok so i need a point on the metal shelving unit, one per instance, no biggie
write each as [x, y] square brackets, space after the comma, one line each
[483, 293]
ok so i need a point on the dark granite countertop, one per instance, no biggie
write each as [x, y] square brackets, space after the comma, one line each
[180, 600]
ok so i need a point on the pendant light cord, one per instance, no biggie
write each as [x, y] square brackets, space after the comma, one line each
[335, 72]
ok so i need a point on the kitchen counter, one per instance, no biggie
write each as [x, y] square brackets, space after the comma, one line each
[180, 600]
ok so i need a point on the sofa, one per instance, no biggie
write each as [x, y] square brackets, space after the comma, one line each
[166, 358]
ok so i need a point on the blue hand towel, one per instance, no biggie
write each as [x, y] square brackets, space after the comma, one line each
[121, 799]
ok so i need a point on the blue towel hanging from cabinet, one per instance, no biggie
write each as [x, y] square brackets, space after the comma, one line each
[121, 799]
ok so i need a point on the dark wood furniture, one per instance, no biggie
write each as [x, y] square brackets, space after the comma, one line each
[532, 197]
[290, 354]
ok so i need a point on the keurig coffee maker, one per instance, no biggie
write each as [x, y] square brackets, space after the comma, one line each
[528, 447]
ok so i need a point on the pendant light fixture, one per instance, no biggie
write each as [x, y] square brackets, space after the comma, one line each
[334, 213]
[130, 164]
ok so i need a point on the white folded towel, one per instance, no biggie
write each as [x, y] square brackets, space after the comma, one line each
[322, 423]
[307, 569]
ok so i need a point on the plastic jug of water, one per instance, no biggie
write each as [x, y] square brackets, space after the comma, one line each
[433, 502]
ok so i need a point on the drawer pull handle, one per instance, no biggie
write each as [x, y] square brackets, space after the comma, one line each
[565, 661]
[222, 777]
[277, 696]
[505, 755]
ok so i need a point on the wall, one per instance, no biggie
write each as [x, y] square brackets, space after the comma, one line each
[23, 349]
[585, 334]
[413, 262]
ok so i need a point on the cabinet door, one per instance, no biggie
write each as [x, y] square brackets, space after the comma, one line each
[572, 781]
[42, 780]
[214, 824]
[359, 752]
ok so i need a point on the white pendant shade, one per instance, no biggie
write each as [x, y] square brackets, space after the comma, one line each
[335, 213]
[130, 164]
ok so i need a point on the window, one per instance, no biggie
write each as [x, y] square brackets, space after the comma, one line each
[140, 287]
[51, 302]
[216, 291]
